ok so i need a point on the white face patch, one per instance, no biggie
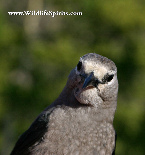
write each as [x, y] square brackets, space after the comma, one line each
[98, 69]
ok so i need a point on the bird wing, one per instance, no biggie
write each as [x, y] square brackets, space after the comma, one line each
[33, 135]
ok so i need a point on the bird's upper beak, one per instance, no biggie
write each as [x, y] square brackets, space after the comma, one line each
[91, 80]
[88, 80]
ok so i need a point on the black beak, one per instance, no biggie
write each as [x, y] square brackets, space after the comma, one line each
[88, 80]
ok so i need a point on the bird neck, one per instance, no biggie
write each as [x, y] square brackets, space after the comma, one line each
[66, 98]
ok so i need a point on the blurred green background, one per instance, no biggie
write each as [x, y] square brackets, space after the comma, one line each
[37, 54]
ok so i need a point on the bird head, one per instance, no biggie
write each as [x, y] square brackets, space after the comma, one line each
[95, 81]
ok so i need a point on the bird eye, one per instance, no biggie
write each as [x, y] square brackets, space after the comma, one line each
[79, 65]
[107, 78]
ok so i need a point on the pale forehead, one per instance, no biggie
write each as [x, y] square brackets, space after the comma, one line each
[98, 69]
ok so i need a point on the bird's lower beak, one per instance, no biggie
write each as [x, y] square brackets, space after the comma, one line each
[88, 80]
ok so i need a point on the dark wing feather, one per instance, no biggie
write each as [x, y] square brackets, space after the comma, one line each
[33, 135]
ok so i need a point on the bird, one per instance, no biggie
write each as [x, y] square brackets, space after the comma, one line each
[80, 120]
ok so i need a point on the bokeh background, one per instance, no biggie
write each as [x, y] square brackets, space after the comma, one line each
[38, 52]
